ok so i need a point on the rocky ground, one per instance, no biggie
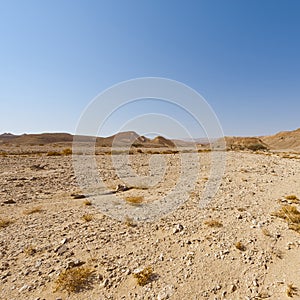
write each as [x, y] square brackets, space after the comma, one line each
[231, 249]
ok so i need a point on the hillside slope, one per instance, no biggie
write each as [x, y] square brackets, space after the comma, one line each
[285, 140]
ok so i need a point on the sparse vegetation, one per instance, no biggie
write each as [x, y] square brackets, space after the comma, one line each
[33, 210]
[144, 276]
[29, 250]
[241, 209]
[87, 218]
[213, 223]
[137, 200]
[256, 147]
[74, 280]
[277, 253]
[5, 222]
[266, 232]
[53, 153]
[67, 151]
[292, 199]
[129, 222]
[291, 290]
[290, 214]
[87, 202]
[240, 246]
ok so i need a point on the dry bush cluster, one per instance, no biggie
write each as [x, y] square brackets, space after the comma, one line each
[87, 218]
[144, 276]
[240, 246]
[291, 215]
[5, 222]
[66, 151]
[29, 250]
[134, 200]
[291, 290]
[213, 223]
[74, 280]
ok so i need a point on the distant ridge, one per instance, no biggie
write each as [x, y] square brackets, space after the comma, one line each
[285, 140]
[119, 139]
[36, 139]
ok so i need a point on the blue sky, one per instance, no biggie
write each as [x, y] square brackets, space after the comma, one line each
[242, 56]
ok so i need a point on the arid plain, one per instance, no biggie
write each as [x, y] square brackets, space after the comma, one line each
[56, 243]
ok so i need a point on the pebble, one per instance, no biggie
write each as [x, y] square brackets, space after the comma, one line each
[177, 228]
[165, 293]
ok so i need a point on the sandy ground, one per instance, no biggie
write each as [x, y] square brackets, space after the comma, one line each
[189, 258]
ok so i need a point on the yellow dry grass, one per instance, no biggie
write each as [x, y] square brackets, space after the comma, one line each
[87, 218]
[213, 223]
[134, 200]
[144, 276]
[291, 215]
[5, 222]
[291, 290]
[74, 280]
[240, 246]
[87, 202]
[33, 210]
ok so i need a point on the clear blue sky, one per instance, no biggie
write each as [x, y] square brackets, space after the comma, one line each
[242, 56]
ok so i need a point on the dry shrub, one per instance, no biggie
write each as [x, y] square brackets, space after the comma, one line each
[67, 151]
[137, 200]
[240, 246]
[74, 280]
[129, 222]
[291, 290]
[29, 250]
[144, 276]
[33, 210]
[292, 199]
[53, 153]
[87, 203]
[266, 232]
[87, 218]
[277, 253]
[5, 222]
[290, 214]
[213, 223]
[241, 209]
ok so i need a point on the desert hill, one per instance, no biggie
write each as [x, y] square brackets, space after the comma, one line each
[119, 139]
[36, 139]
[242, 143]
[285, 140]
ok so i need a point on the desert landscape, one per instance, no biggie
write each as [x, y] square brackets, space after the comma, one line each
[55, 242]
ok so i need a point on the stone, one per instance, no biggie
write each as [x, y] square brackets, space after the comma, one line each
[232, 288]
[177, 228]
[61, 249]
[78, 196]
[9, 201]
[23, 288]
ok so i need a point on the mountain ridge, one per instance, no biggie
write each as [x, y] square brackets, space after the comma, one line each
[284, 140]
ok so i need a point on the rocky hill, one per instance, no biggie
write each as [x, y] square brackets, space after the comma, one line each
[285, 140]
[243, 143]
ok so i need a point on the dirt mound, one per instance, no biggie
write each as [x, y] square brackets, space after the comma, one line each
[285, 140]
